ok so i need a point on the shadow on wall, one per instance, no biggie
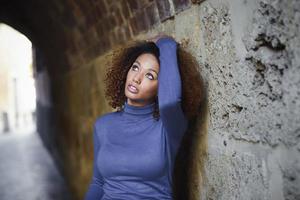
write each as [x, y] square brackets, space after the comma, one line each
[188, 173]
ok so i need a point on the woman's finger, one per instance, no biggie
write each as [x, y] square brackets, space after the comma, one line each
[157, 37]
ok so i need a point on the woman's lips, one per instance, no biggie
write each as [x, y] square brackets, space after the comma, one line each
[132, 89]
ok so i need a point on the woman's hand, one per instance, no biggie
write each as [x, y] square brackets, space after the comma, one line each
[157, 37]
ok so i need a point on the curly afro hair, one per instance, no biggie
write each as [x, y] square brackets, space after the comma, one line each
[121, 61]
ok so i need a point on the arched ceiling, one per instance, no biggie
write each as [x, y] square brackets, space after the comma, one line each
[72, 32]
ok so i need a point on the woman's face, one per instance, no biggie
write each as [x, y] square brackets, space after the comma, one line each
[142, 80]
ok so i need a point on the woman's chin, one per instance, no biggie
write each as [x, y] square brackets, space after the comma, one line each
[132, 98]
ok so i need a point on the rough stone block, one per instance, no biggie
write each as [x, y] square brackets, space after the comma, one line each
[139, 22]
[125, 9]
[132, 26]
[126, 32]
[291, 180]
[118, 17]
[142, 20]
[152, 14]
[180, 5]
[164, 9]
[234, 176]
[134, 5]
[100, 29]
[99, 12]
[197, 1]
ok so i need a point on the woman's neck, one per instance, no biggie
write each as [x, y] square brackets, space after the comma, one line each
[138, 103]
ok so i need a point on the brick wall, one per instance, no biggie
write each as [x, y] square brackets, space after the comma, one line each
[102, 25]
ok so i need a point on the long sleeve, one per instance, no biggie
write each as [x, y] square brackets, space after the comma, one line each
[169, 92]
[95, 190]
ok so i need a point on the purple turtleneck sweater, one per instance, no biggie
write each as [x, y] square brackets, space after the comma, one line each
[133, 153]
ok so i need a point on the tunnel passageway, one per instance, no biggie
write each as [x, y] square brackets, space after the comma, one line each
[27, 170]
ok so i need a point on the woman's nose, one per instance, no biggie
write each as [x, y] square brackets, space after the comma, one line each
[137, 79]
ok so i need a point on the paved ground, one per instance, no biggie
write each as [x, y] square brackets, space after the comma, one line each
[27, 171]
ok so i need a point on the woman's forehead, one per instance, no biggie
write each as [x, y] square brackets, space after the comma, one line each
[147, 60]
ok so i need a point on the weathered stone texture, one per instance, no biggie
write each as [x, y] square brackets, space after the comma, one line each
[249, 56]
[164, 9]
[272, 53]
[180, 5]
[253, 98]
[291, 181]
[235, 176]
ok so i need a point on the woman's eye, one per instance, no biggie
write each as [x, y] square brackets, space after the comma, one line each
[150, 76]
[134, 67]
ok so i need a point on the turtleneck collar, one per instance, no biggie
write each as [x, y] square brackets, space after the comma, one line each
[139, 110]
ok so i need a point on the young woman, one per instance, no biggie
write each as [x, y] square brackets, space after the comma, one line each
[135, 147]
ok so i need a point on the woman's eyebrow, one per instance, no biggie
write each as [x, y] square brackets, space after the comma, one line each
[153, 70]
[148, 68]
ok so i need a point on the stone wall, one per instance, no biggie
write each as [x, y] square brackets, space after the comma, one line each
[249, 57]
[247, 146]
[250, 52]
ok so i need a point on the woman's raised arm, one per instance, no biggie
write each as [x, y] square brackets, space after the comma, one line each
[169, 90]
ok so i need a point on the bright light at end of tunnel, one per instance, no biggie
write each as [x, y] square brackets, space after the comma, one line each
[17, 89]
[15, 51]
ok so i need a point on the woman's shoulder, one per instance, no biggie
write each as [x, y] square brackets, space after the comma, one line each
[106, 118]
